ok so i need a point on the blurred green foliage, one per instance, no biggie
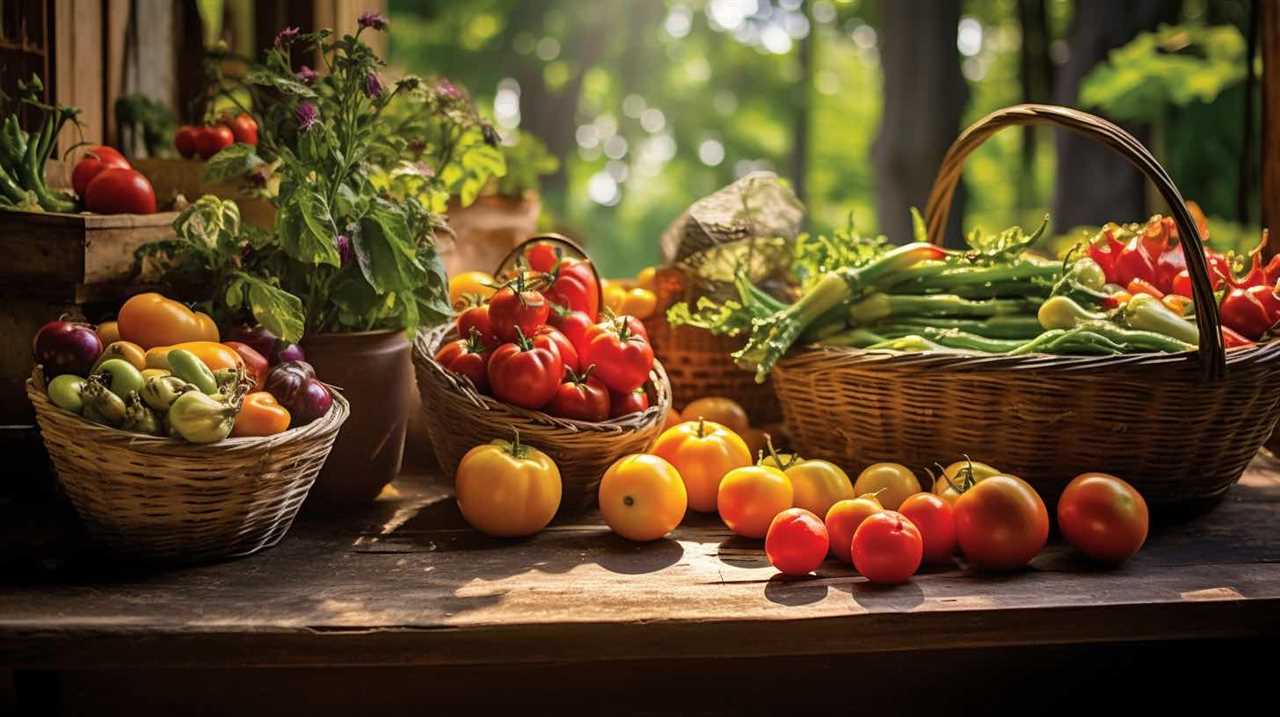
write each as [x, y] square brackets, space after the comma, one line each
[528, 161]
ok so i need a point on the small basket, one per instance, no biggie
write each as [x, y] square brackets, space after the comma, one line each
[158, 499]
[459, 417]
[1180, 427]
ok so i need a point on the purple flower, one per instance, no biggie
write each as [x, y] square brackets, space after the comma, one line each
[448, 90]
[346, 252]
[307, 115]
[306, 75]
[373, 85]
[286, 36]
[375, 20]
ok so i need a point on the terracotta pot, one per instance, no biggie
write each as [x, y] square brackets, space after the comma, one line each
[486, 230]
[373, 370]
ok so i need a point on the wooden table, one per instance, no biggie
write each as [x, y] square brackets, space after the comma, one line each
[403, 601]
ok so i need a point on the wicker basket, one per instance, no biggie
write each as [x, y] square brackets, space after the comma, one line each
[1180, 427]
[166, 500]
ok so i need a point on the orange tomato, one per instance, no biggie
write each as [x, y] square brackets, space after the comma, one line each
[797, 542]
[936, 520]
[725, 411]
[214, 355]
[507, 489]
[644, 279]
[151, 320]
[642, 497]
[751, 496]
[1103, 517]
[703, 452]
[108, 332]
[843, 520]
[468, 285]
[1001, 523]
[640, 303]
[891, 482]
[130, 352]
[261, 415]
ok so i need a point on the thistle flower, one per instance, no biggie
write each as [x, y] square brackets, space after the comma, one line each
[307, 115]
[346, 252]
[373, 85]
[306, 75]
[448, 90]
[286, 36]
[371, 19]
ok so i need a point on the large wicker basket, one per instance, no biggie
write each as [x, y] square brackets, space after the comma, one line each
[162, 499]
[460, 418]
[1180, 427]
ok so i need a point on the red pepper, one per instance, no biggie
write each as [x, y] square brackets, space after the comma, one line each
[1116, 300]
[573, 285]
[1106, 250]
[1142, 286]
[1251, 311]
[1231, 339]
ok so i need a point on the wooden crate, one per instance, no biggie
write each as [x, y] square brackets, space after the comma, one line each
[171, 177]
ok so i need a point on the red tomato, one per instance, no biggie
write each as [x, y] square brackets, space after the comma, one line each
[1103, 517]
[516, 307]
[211, 140]
[634, 325]
[243, 128]
[568, 354]
[887, 547]
[477, 318]
[581, 398]
[937, 523]
[622, 359]
[94, 161]
[542, 257]
[255, 364]
[120, 191]
[573, 324]
[631, 402]
[573, 285]
[797, 542]
[466, 357]
[1001, 523]
[526, 373]
[185, 141]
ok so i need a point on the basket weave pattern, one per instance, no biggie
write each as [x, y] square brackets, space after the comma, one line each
[163, 499]
[1180, 427]
[460, 418]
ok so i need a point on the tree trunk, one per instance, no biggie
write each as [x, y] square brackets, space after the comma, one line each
[801, 107]
[1036, 75]
[924, 98]
[1095, 185]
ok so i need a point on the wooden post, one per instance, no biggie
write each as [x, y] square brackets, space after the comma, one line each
[1270, 32]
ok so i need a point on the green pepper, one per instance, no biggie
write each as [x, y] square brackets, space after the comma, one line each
[1149, 314]
[188, 367]
[125, 378]
[65, 390]
[161, 391]
[882, 306]
[1061, 312]
[855, 338]
[907, 343]
[995, 327]
[200, 418]
[955, 339]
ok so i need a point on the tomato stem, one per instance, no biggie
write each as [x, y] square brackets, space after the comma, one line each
[517, 449]
[702, 427]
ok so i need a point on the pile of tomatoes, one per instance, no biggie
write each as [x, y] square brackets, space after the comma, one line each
[208, 140]
[539, 340]
[108, 184]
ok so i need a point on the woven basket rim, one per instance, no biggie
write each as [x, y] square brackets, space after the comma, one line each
[428, 341]
[973, 360]
[174, 447]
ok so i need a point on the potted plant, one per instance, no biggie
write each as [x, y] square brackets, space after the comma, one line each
[350, 264]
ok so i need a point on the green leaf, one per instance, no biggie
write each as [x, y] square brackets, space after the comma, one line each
[233, 162]
[209, 222]
[306, 230]
[265, 78]
[277, 310]
[386, 252]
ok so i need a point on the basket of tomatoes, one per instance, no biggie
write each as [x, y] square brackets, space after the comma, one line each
[534, 355]
[172, 445]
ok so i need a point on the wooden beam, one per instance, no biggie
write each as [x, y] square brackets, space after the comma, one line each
[78, 57]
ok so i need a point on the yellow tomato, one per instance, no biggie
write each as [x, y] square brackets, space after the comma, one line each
[506, 489]
[891, 482]
[153, 372]
[959, 476]
[614, 296]
[470, 283]
[108, 332]
[725, 411]
[640, 303]
[644, 279]
[750, 497]
[818, 485]
[642, 497]
[703, 452]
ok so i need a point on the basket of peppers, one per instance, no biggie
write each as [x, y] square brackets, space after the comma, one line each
[536, 355]
[172, 445]
[1143, 355]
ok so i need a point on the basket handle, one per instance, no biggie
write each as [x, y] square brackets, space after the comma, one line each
[1212, 354]
[562, 241]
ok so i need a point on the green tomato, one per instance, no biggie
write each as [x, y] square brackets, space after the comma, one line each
[64, 391]
[125, 377]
